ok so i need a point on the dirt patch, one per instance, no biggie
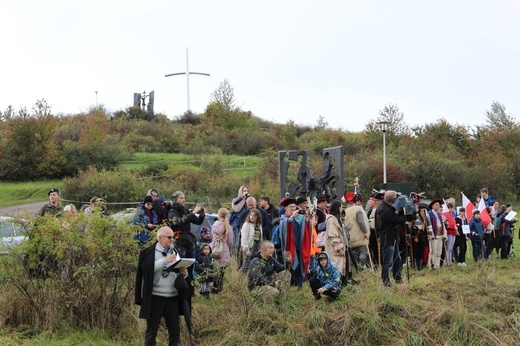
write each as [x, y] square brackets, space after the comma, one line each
[22, 209]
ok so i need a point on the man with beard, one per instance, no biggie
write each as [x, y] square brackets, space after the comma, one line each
[180, 219]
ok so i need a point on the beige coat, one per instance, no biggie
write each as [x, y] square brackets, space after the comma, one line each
[353, 215]
[335, 243]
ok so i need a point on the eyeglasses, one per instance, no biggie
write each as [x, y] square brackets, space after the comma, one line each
[168, 236]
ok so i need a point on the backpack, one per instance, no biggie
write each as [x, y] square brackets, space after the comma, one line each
[498, 223]
[275, 235]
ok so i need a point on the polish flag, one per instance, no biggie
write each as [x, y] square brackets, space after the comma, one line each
[484, 215]
[468, 206]
[445, 209]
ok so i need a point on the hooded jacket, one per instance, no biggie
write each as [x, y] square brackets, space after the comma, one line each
[329, 276]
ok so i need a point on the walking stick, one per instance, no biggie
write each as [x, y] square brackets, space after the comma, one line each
[379, 252]
[444, 241]
[406, 254]
[370, 257]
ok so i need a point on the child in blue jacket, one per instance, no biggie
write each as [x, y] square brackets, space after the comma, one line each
[327, 280]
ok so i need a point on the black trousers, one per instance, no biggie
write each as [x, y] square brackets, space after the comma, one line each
[505, 247]
[462, 248]
[169, 309]
[316, 284]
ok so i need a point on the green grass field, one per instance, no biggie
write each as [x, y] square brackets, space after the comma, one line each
[36, 191]
[26, 192]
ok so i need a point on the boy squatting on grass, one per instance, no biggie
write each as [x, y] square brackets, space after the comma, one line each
[327, 280]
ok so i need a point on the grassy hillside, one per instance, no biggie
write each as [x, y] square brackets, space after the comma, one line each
[27, 192]
[476, 305]
[36, 191]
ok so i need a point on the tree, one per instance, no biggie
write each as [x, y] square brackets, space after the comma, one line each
[497, 119]
[396, 126]
[224, 97]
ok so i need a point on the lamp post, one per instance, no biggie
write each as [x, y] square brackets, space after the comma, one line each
[187, 73]
[383, 129]
[96, 99]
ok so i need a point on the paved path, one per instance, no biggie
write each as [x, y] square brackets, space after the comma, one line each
[22, 209]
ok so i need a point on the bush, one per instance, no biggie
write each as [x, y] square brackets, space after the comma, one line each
[71, 273]
[118, 186]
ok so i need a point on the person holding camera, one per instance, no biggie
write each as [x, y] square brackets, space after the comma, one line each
[179, 219]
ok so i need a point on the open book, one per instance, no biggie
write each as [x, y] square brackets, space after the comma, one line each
[180, 263]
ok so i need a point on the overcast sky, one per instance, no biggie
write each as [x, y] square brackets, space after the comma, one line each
[286, 59]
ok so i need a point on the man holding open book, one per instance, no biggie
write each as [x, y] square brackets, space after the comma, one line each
[158, 287]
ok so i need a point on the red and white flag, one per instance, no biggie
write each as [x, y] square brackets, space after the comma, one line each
[445, 209]
[484, 214]
[468, 206]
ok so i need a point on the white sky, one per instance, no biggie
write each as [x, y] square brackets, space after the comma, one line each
[286, 59]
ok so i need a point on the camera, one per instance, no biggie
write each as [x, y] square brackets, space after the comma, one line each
[300, 210]
[201, 206]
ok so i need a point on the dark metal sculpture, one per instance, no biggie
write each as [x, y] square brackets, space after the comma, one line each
[305, 184]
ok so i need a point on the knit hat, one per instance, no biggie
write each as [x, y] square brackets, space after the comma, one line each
[204, 230]
[176, 196]
[148, 199]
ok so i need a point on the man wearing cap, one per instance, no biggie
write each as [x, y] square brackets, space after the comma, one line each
[438, 233]
[53, 207]
[477, 230]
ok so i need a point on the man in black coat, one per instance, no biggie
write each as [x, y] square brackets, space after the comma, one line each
[180, 219]
[386, 223]
[157, 291]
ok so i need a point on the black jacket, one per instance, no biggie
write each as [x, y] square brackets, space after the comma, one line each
[180, 220]
[386, 223]
[144, 280]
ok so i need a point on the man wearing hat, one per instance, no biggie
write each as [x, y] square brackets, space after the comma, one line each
[438, 233]
[375, 198]
[321, 213]
[295, 236]
[476, 231]
[53, 207]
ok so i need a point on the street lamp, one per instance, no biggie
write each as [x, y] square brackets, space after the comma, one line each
[96, 98]
[383, 129]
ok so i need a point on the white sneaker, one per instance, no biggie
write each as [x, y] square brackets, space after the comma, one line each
[459, 265]
[463, 264]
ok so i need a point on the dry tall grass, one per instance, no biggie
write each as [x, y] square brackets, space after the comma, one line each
[476, 305]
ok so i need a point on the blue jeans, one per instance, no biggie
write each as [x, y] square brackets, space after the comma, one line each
[391, 258]
[479, 249]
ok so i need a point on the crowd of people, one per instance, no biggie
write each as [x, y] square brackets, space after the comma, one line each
[324, 242]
